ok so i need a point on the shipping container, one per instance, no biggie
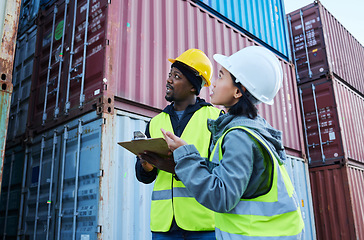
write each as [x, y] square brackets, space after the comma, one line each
[263, 21]
[82, 156]
[22, 75]
[322, 45]
[64, 171]
[11, 191]
[5, 100]
[28, 15]
[126, 62]
[68, 72]
[338, 193]
[297, 169]
[333, 122]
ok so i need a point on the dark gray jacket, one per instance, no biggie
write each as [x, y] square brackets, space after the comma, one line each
[243, 170]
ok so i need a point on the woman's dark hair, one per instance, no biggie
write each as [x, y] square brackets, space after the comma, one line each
[244, 106]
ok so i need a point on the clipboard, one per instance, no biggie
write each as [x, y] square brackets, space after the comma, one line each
[156, 145]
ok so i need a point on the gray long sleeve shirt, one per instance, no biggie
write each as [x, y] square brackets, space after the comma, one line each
[243, 171]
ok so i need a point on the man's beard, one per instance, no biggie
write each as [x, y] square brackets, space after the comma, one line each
[169, 98]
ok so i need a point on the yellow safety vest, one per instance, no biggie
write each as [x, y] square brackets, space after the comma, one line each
[170, 198]
[274, 215]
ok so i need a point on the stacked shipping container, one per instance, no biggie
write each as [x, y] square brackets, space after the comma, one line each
[144, 67]
[322, 46]
[22, 79]
[94, 82]
[263, 21]
[330, 72]
[11, 191]
[14, 155]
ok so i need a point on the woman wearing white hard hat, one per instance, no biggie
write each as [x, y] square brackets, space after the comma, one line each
[244, 180]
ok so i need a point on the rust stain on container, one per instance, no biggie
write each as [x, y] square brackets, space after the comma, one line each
[7, 48]
[8, 39]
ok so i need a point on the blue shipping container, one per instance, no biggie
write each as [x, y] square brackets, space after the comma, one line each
[28, 14]
[22, 79]
[63, 170]
[263, 20]
[10, 198]
[80, 164]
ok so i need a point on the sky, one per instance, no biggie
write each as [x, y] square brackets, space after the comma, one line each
[350, 13]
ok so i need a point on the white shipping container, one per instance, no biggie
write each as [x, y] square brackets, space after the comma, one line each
[110, 202]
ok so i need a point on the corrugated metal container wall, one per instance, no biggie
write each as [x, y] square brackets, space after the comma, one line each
[177, 22]
[110, 203]
[356, 181]
[135, 64]
[350, 106]
[132, 198]
[337, 214]
[297, 170]
[265, 20]
[323, 136]
[22, 74]
[11, 192]
[62, 162]
[62, 41]
[337, 108]
[344, 53]
[322, 45]
[28, 14]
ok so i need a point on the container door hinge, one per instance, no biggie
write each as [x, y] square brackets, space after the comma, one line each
[98, 229]
[107, 42]
[101, 173]
[109, 1]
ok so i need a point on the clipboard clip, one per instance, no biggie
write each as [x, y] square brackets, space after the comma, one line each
[139, 135]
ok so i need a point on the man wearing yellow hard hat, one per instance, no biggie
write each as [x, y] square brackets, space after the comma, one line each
[175, 214]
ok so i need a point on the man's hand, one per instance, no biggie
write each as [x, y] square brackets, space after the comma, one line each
[172, 140]
[163, 163]
[146, 166]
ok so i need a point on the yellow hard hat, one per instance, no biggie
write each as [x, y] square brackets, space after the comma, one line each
[197, 60]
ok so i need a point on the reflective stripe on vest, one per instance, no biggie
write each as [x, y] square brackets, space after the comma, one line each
[170, 198]
[274, 215]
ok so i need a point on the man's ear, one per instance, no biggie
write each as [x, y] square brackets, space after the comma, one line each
[193, 90]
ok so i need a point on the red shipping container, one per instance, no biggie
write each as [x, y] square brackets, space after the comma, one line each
[126, 64]
[338, 109]
[322, 45]
[337, 195]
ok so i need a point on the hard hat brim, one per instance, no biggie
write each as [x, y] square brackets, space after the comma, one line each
[172, 60]
[221, 59]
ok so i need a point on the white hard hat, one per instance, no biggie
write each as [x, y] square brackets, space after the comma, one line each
[257, 69]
